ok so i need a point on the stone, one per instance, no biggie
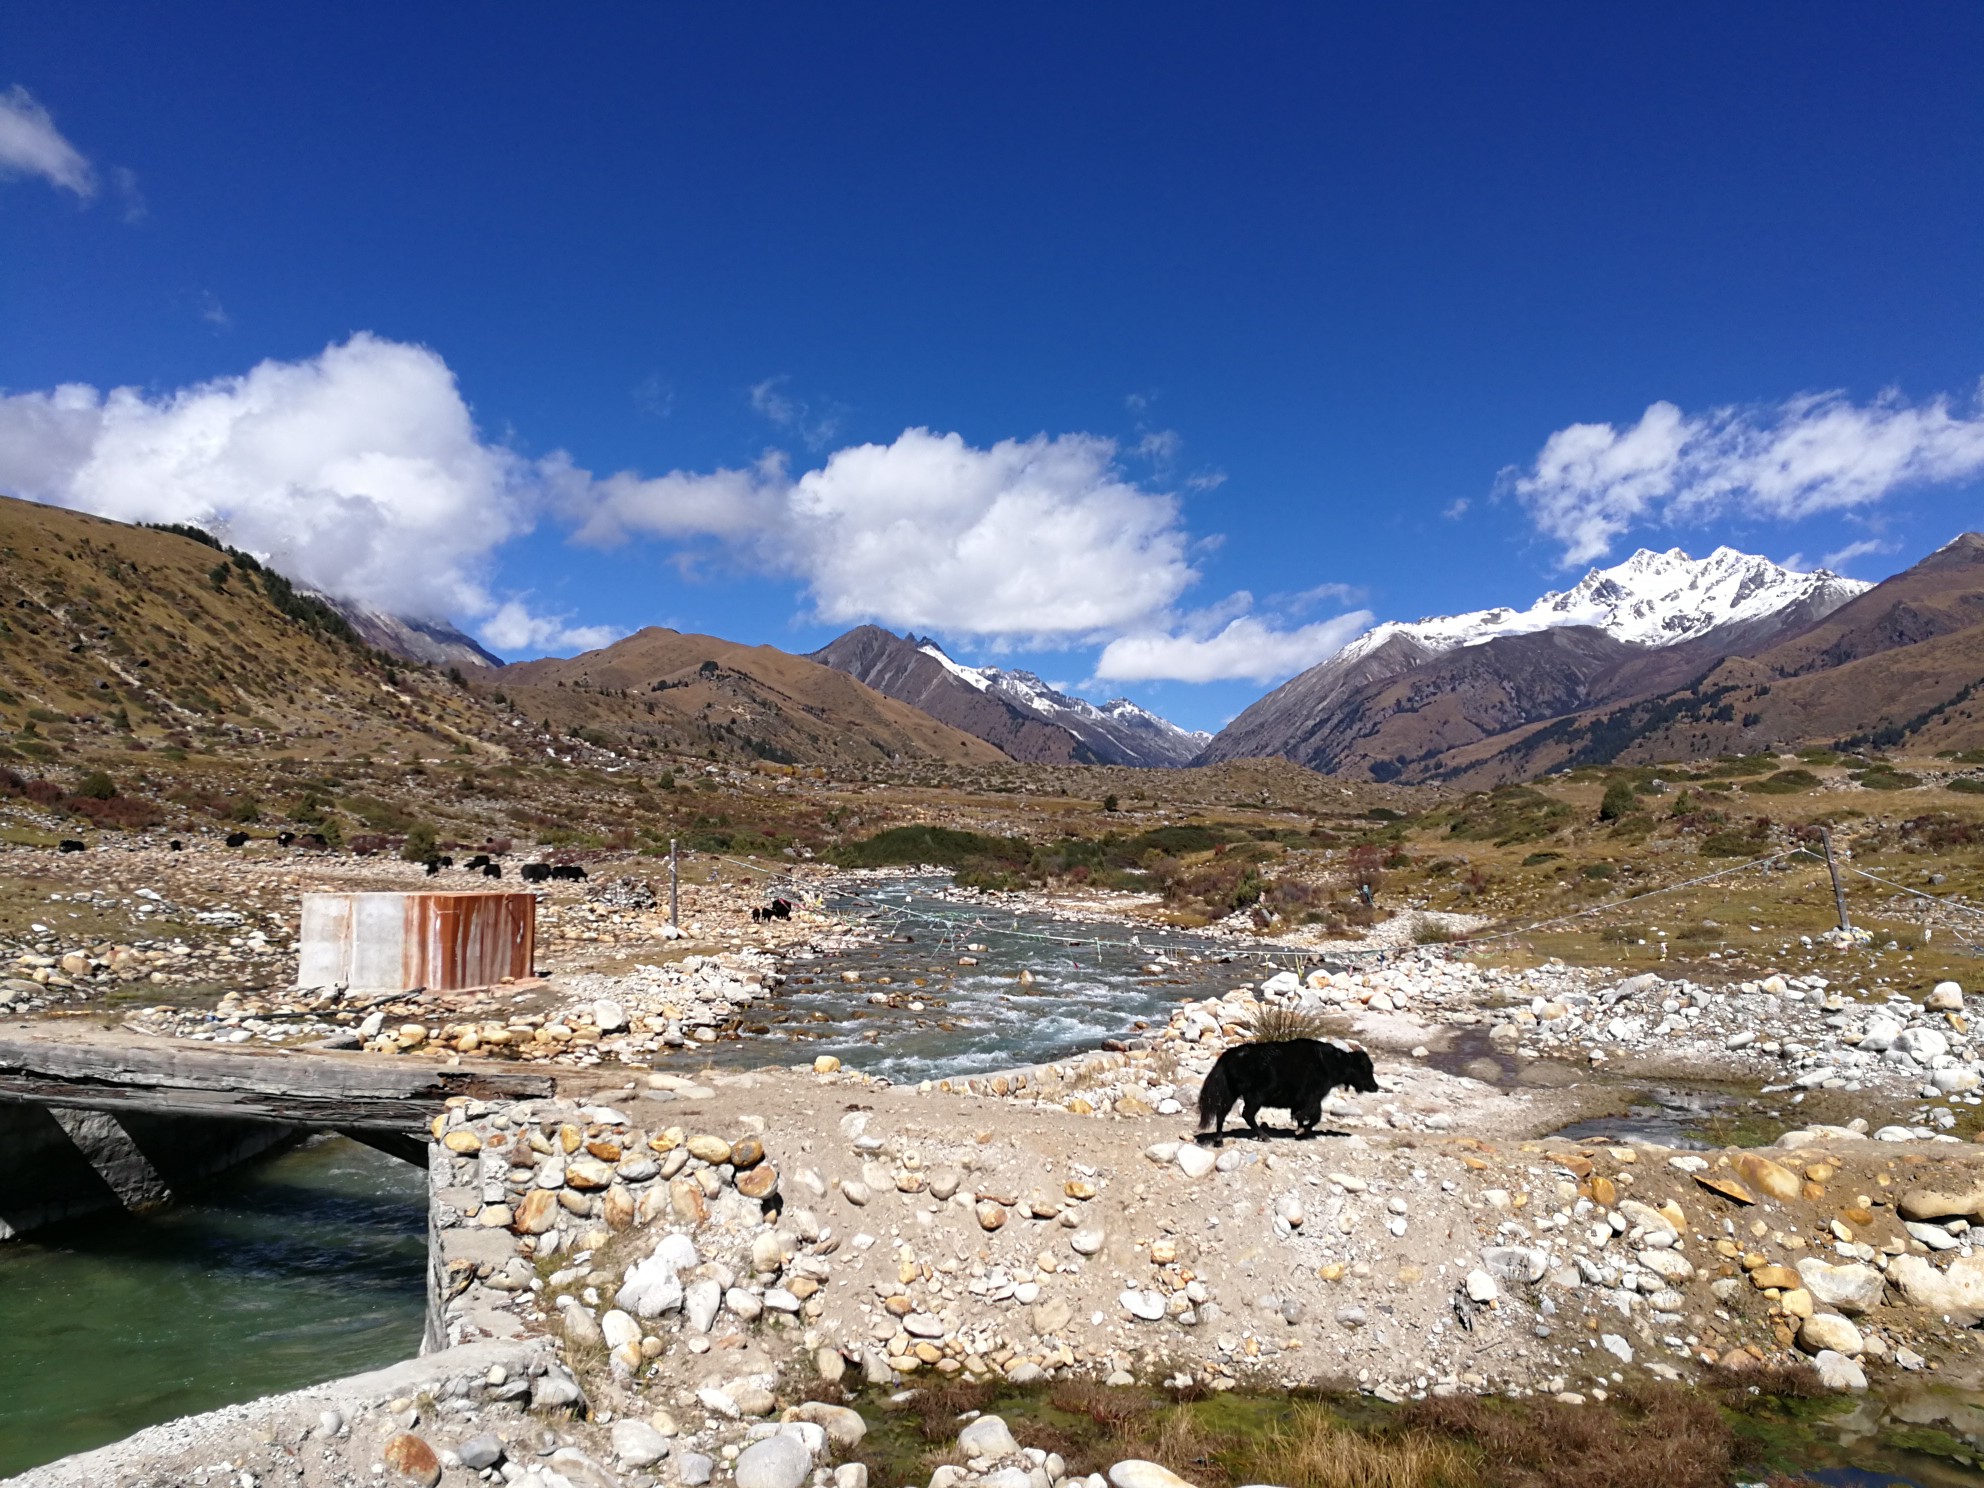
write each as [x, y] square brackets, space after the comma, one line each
[991, 1216]
[462, 1141]
[780, 1461]
[1957, 1293]
[855, 1192]
[747, 1152]
[556, 1390]
[1851, 1289]
[1838, 1372]
[1767, 1177]
[581, 1327]
[686, 1202]
[759, 1182]
[743, 1305]
[1088, 1240]
[753, 1399]
[700, 1302]
[1922, 1044]
[1052, 1315]
[618, 1328]
[1939, 1201]
[1481, 1286]
[712, 1150]
[923, 1325]
[1782, 1278]
[988, 1437]
[537, 1212]
[1137, 1473]
[587, 1173]
[1141, 1304]
[1828, 1330]
[480, 1452]
[829, 1365]
[616, 1208]
[1944, 997]
[650, 1289]
[609, 1017]
[851, 1475]
[410, 1460]
[1617, 1347]
[1727, 1188]
[825, 1064]
[1668, 1265]
[1647, 1219]
[693, 1469]
[637, 1444]
[844, 1427]
[1194, 1161]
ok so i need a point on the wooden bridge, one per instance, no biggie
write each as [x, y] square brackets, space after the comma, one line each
[94, 1118]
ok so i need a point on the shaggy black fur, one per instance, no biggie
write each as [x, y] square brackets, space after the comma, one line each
[1295, 1076]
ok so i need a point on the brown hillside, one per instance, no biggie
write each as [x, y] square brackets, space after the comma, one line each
[700, 692]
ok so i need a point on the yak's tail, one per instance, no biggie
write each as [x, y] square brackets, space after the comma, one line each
[1216, 1095]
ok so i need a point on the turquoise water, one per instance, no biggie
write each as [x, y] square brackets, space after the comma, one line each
[296, 1268]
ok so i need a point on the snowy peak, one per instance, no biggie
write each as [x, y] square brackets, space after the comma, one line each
[1651, 599]
[1027, 688]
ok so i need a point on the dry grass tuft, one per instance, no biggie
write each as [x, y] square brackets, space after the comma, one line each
[1314, 1450]
[1644, 1435]
[1278, 1022]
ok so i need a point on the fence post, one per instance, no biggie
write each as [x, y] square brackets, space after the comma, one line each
[1838, 889]
[674, 887]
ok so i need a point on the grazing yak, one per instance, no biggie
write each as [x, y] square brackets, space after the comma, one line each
[69, 844]
[1294, 1075]
[237, 839]
[535, 872]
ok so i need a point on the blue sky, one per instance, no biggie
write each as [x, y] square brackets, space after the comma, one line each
[1149, 347]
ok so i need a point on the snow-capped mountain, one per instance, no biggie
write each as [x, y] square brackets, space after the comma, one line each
[1014, 710]
[1119, 727]
[1651, 599]
[1404, 695]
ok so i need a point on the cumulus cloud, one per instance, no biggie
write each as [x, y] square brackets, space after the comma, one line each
[359, 472]
[1038, 539]
[1814, 453]
[31, 145]
[1211, 648]
[515, 629]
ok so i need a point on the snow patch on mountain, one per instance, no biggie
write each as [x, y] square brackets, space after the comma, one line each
[1651, 599]
[963, 673]
[1027, 688]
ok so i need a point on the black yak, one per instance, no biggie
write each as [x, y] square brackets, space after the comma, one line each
[283, 839]
[175, 845]
[492, 870]
[237, 839]
[69, 844]
[535, 872]
[1294, 1075]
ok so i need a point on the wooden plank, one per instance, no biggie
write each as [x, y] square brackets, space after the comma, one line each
[106, 1070]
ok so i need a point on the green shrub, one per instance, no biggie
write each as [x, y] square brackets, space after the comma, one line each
[1618, 802]
[1969, 784]
[1783, 783]
[96, 786]
[419, 846]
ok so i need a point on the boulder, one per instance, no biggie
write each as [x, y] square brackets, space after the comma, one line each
[1957, 1293]
[637, 1444]
[410, 1460]
[780, 1461]
[1922, 1044]
[844, 1427]
[1767, 1177]
[1851, 1289]
[651, 1288]
[1944, 1201]
[1828, 1330]
[1194, 1161]
[989, 1437]
[1837, 1372]
[1136, 1473]
[1944, 997]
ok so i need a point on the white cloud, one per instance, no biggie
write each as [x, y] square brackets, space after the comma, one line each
[1456, 509]
[1039, 538]
[30, 144]
[795, 415]
[515, 629]
[359, 472]
[1865, 547]
[1247, 647]
[1814, 453]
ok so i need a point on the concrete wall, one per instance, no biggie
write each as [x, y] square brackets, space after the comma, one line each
[63, 1164]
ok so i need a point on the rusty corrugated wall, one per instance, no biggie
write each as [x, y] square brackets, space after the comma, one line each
[396, 941]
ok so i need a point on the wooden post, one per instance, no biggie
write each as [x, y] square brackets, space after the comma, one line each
[674, 887]
[1838, 889]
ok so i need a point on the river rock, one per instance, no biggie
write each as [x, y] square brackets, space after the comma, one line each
[780, 1461]
[1668, 1265]
[1837, 1372]
[1088, 1240]
[480, 1452]
[581, 1328]
[743, 1305]
[1141, 1304]
[1481, 1286]
[1767, 1177]
[988, 1437]
[712, 1150]
[1850, 1289]
[700, 1302]
[1137, 1473]
[587, 1173]
[991, 1216]
[638, 1444]
[651, 1288]
[1513, 1263]
[1957, 1293]
[1944, 997]
[693, 1469]
[855, 1192]
[556, 1390]
[759, 1182]
[1828, 1330]
[1052, 1315]
[537, 1212]
[1944, 1201]
[618, 1328]
[844, 1427]
[1194, 1161]
[410, 1460]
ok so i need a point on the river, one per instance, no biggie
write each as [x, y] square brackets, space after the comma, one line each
[296, 1268]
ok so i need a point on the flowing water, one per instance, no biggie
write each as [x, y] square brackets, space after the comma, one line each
[934, 1017]
[296, 1268]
